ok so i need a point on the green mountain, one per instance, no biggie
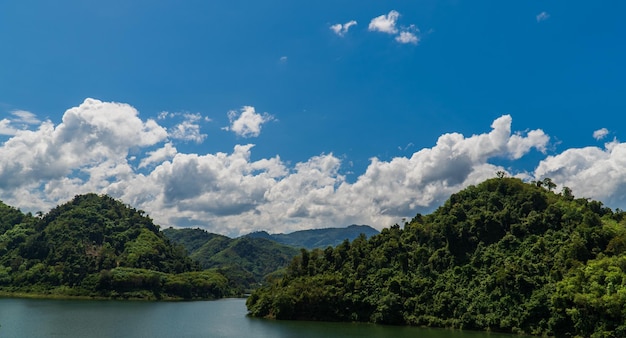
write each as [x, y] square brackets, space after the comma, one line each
[502, 256]
[97, 246]
[318, 238]
[246, 261]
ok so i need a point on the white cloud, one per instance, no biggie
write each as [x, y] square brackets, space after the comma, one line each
[543, 16]
[21, 120]
[192, 117]
[340, 29]
[25, 117]
[247, 123]
[222, 192]
[229, 193]
[385, 23]
[188, 129]
[166, 153]
[591, 172]
[600, 133]
[408, 37]
[93, 135]
[519, 145]
[6, 128]
[430, 175]
[283, 59]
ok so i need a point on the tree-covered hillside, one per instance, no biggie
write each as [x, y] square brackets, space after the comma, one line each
[97, 246]
[503, 255]
[318, 238]
[245, 261]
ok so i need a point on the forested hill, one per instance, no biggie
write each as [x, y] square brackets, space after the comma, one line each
[97, 246]
[249, 260]
[503, 256]
[246, 262]
[318, 238]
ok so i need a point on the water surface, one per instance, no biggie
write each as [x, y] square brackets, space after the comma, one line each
[222, 318]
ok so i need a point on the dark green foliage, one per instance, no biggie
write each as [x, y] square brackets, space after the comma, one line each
[318, 238]
[10, 217]
[97, 246]
[246, 261]
[502, 256]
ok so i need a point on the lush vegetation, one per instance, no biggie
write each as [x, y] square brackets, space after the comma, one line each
[318, 238]
[503, 255]
[246, 261]
[96, 246]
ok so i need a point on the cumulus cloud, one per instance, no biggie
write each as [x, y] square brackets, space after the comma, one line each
[248, 122]
[385, 23]
[430, 175]
[543, 16]
[600, 133]
[342, 29]
[93, 139]
[591, 172]
[232, 194]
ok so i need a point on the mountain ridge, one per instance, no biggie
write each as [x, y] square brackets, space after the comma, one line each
[317, 238]
[250, 259]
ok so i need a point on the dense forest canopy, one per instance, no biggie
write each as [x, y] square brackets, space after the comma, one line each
[97, 246]
[503, 255]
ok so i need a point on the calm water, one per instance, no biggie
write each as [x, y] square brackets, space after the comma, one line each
[222, 318]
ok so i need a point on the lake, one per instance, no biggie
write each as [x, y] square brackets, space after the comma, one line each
[221, 318]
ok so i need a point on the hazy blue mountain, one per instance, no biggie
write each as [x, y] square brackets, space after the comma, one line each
[318, 238]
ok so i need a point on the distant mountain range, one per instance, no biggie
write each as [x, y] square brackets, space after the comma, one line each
[250, 259]
[318, 238]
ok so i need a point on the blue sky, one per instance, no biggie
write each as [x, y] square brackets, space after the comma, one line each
[238, 116]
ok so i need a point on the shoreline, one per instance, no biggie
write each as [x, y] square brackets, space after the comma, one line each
[35, 295]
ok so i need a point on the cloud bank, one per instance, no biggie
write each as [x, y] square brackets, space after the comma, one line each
[105, 147]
